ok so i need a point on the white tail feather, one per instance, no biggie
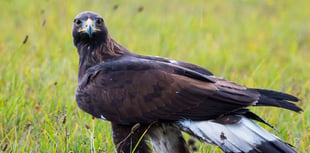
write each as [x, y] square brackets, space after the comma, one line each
[242, 136]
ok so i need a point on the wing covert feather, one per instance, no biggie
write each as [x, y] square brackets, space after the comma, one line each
[148, 91]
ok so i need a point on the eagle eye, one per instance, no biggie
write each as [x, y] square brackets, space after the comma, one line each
[99, 21]
[77, 22]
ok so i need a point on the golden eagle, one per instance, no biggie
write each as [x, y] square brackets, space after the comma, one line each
[125, 88]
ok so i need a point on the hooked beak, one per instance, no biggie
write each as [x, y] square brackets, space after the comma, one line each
[89, 27]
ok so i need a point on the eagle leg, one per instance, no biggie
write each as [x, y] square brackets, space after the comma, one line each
[125, 139]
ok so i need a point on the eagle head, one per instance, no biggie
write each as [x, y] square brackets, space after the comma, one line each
[89, 27]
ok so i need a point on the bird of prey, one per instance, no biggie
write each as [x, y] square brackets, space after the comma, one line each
[164, 97]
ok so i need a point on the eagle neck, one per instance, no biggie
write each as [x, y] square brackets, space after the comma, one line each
[94, 53]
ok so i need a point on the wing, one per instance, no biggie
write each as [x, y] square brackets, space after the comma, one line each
[131, 90]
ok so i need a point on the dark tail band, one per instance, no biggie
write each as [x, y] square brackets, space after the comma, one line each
[277, 99]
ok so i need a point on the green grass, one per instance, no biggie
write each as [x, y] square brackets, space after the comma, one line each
[259, 43]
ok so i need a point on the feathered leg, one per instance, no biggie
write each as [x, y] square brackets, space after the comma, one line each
[166, 138]
[125, 138]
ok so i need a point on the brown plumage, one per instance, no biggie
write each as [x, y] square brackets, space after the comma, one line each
[125, 88]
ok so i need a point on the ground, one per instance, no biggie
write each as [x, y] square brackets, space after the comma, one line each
[259, 43]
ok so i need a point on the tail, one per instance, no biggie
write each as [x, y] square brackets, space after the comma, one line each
[277, 99]
[235, 133]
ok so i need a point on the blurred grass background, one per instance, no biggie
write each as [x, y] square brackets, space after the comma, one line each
[258, 43]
